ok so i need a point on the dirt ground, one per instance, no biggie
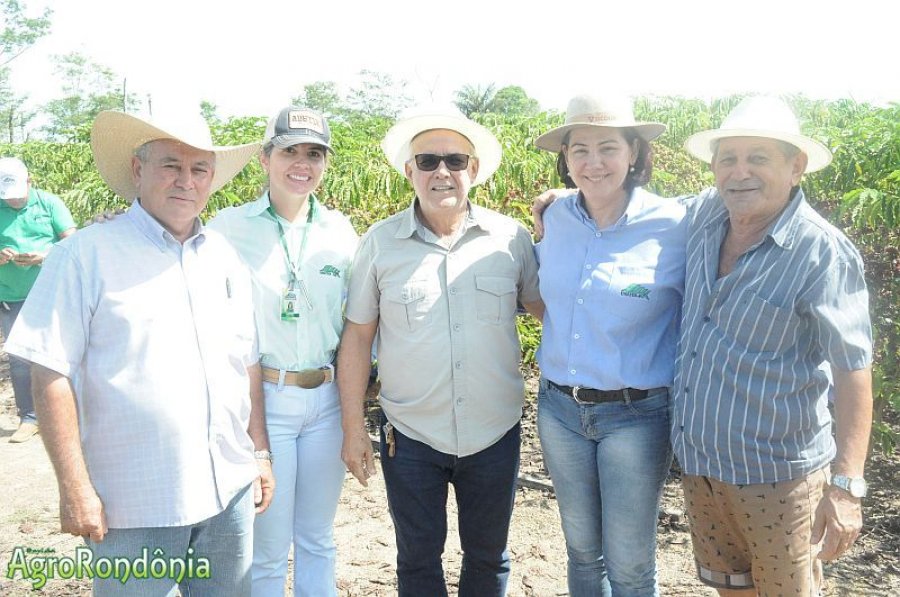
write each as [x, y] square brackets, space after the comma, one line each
[365, 541]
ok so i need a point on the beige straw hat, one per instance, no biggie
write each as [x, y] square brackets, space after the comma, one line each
[594, 110]
[760, 116]
[441, 116]
[116, 135]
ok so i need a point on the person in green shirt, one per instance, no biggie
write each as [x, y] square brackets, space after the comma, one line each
[31, 221]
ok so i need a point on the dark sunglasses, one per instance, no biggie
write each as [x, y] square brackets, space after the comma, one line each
[429, 162]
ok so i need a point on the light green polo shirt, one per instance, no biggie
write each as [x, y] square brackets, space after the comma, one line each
[32, 229]
[310, 341]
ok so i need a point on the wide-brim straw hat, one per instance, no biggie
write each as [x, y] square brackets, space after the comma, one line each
[593, 110]
[760, 116]
[417, 120]
[116, 135]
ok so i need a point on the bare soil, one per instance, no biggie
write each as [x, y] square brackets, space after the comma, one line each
[365, 540]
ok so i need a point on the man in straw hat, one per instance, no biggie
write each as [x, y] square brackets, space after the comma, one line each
[438, 283]
[773, 291]
[145, 369]
[31, 221]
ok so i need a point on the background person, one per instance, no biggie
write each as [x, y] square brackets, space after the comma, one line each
[299, 254]
[439, 283]
[146, 371]
[612, 279]
[31, 221]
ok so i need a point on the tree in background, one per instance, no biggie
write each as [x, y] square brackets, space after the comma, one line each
[210, 112]
[379, 94]
[322, 96]
[508, 101]
[89, 88]
[18, 34]
[475, 99]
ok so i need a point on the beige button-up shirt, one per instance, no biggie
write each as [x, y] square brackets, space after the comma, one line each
[448, 351]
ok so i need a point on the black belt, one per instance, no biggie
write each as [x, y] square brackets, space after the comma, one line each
[581, 394]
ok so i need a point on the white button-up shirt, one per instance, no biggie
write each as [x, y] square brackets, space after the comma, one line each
[156, 338]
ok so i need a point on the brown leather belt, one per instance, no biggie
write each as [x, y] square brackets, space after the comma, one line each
[596, 396]
[308, 379]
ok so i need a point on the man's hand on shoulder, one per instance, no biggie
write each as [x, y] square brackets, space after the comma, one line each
[837, 523]
[81, 513]
[357, 454]
[541, 203]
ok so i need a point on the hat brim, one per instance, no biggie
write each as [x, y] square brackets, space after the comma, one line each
[116, 135]
[284, 141]
[396, 142]
[699, 144]
[552, 140]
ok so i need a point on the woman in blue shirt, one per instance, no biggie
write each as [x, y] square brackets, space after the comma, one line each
[612, 276]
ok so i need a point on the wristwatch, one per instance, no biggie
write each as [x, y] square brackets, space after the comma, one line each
[263, 455]
[855, 486]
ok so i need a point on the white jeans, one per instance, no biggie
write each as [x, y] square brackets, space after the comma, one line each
[305, 437]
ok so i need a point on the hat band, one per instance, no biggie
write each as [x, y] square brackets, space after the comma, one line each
[594, 118]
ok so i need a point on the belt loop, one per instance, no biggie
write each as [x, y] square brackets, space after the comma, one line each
[627, 396]
[333, 372]
[281, 374]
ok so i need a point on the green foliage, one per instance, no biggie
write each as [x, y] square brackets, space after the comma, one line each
[322, 96]
[20, 32]
[508, 101]
[858, 191]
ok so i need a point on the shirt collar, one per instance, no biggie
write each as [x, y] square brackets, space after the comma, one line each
[155, 231]
[409, 222]
[633, 207]
[783, 230]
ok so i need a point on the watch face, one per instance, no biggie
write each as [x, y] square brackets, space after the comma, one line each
[858, 487]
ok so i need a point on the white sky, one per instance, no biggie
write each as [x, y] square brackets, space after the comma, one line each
[250, 58]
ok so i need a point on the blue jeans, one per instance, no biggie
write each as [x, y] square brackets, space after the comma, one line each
[417, 478]
[19, 370]
[226, 540]
[305, 438]
[608, 463]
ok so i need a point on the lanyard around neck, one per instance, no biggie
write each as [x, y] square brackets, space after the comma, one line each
[294, 267]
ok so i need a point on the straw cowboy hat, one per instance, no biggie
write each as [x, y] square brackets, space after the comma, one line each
[593, 110]
[116, 135]
[760, 116]
[441, 116]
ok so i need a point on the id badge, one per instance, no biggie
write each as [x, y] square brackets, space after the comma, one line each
[290, 304]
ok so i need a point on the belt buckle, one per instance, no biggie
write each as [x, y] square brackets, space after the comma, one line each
[575, 390]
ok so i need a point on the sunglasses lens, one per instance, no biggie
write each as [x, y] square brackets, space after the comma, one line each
[428, 162]
[456, 161]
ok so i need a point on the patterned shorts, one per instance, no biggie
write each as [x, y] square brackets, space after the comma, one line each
[756, 535]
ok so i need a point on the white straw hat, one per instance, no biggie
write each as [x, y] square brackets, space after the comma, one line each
[441, 116]
[760, 116]
[116, 135]
[594, 110]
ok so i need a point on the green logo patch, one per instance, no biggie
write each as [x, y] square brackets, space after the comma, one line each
[636, 291]
[330, 270]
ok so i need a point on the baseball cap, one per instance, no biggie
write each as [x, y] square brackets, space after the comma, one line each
[13, 179]
[293, 125]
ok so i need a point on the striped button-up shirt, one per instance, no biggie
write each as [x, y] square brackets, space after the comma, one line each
[751, 387]
[156, 337]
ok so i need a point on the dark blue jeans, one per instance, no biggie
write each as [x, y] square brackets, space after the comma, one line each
[417, 478]
[19, 370]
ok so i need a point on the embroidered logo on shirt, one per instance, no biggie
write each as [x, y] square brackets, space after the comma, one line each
[636, 291]
[330, 270]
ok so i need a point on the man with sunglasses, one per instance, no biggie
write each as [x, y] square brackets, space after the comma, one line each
[439, 284]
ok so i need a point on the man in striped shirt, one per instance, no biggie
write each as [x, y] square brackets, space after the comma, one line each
[775, 307]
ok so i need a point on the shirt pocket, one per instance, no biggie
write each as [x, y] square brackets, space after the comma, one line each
[495, 299]
[407, 306]
[633, 292]
[760, 326]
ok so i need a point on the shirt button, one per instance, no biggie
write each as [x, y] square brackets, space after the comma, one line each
[587, 266]
[453, 290]
[459, 400]
[572, 371]
[577, 336]
[580, 301]
[693, 354]
[687, 390]
[598, 234]
[457, 327]
[706, 318]
[458, 365]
